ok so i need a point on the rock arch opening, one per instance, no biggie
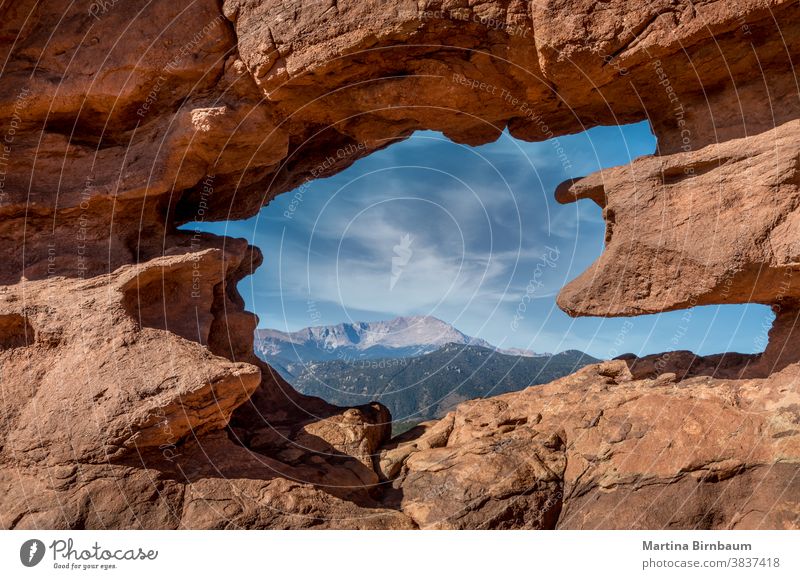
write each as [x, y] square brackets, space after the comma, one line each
[372, 271]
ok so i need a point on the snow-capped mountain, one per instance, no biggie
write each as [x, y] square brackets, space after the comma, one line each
[524, 353]
[400, 337]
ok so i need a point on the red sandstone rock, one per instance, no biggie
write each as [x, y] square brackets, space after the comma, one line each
[599, 452]
[675, 236]
[125, 350]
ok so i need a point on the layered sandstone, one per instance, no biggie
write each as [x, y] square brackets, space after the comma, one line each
[715, 226]
[600, 449]
[132, 395]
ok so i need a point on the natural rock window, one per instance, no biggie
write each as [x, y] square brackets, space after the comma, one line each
[370, 274]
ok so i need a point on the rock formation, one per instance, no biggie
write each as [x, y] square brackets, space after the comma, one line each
[600, 449]
[132, 397]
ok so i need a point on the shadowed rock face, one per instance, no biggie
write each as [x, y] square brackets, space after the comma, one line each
[132, 395]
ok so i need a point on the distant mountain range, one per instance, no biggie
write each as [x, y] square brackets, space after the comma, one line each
[400, 337]
[428, 386]
[419, 367]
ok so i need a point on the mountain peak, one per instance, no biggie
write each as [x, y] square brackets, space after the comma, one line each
[399, 337]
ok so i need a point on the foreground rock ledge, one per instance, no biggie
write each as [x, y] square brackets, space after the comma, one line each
[600, 450]
[594, 450]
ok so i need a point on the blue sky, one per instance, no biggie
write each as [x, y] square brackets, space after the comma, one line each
[430, 227]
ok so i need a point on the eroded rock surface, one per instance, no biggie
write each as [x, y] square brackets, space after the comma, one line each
[600, 450]
[132, 397]
[714, 226]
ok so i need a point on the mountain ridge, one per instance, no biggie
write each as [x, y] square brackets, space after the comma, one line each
[399, 337]
[428, 386]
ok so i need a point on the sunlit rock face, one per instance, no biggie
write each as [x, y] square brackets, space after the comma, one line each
[713, 226]
[133, 398]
